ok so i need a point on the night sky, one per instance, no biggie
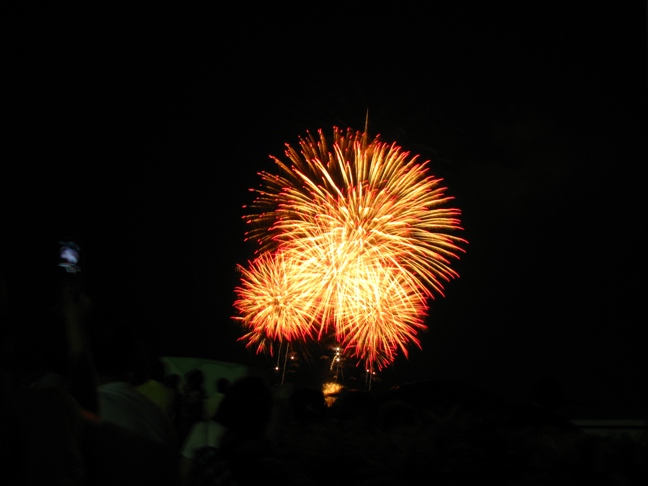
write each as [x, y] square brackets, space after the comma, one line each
[139, 132]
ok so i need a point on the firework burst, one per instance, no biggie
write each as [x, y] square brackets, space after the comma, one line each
[276, 301]
[353, 240]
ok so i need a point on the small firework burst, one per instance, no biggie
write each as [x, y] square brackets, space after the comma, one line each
[353, 240]
[274, 299]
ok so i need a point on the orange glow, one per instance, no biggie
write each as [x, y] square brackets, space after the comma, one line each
[330, 391]
[354, 238]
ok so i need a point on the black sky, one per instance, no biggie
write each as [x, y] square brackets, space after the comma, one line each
[140, 131]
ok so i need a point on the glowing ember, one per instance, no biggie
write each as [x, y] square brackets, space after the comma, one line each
[353, 241]
[330, 392]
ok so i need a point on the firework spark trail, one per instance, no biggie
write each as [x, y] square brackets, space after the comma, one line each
[361, 236]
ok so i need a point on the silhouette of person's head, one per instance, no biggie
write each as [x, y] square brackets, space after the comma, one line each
[173, 381]
[246, 408]
[222, 384]
[195, 379]
[308, 405]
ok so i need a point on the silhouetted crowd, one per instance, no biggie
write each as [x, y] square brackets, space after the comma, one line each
[77, 409]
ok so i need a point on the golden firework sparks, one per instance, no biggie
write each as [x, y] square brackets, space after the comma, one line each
[361, 234]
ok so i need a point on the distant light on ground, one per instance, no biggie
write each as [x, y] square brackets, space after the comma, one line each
[331, 391]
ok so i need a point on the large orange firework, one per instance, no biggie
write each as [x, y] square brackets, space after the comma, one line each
[354, 237]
